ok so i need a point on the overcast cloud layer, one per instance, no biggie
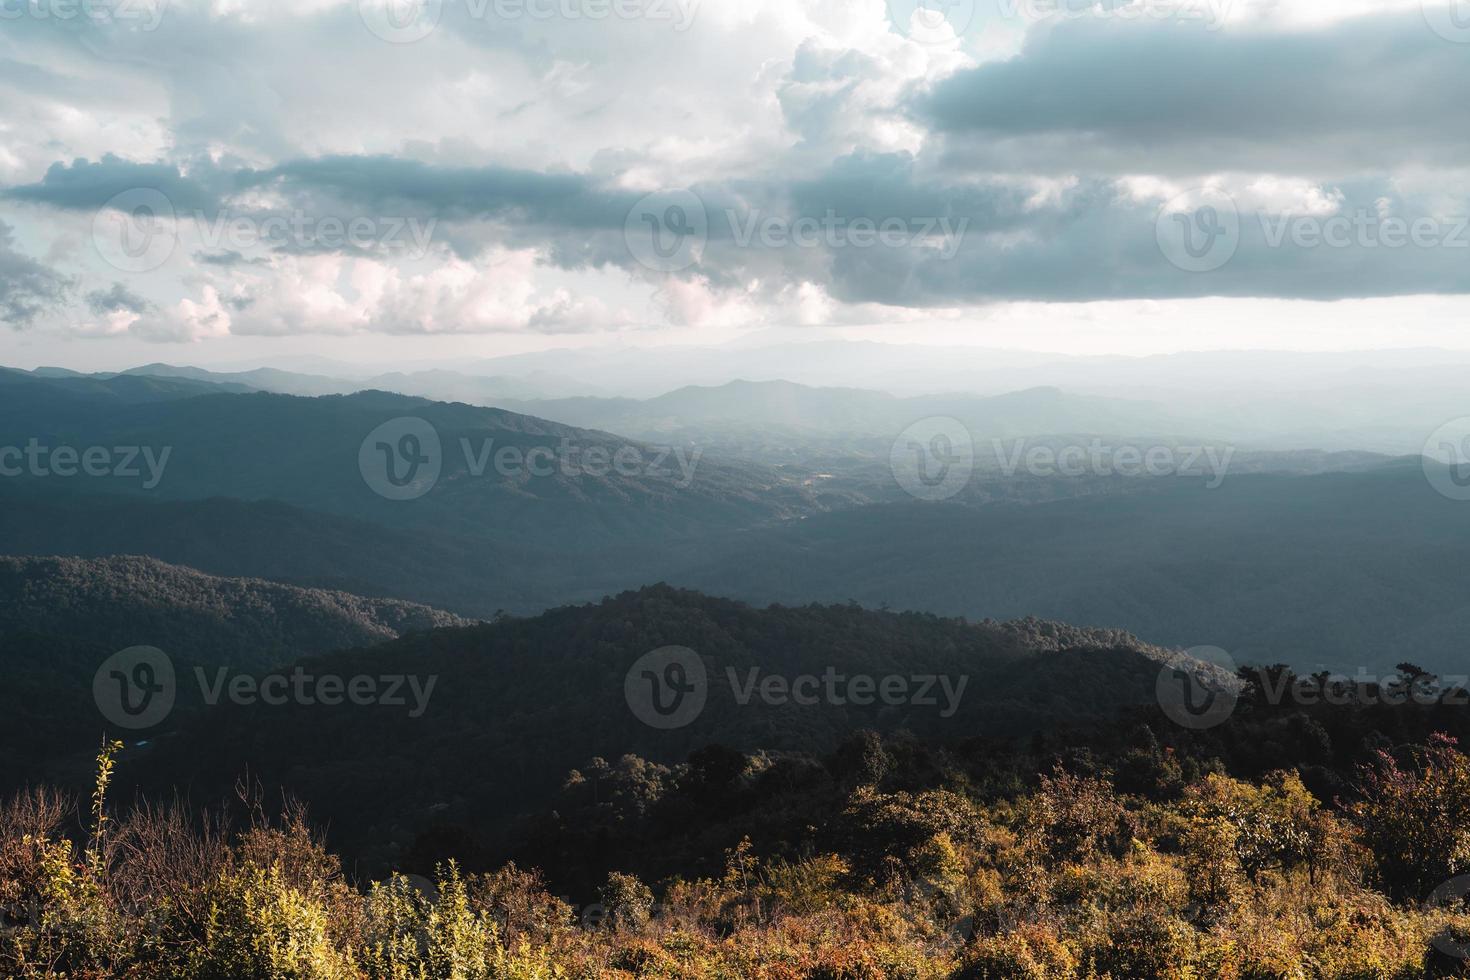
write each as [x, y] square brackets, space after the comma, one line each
[190, 170]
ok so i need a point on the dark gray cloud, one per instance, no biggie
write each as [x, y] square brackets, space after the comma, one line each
[387, 184]
[226, 258]
[1098, 95]
[964, 241]
[118, 298]
[86, 186]
[1111, 250]
[27, 288]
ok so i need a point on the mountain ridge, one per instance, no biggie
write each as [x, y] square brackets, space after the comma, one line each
[554, 688]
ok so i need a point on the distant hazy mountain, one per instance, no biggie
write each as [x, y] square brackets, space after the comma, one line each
[644, 372]
[493, 390]
[771, 408]
[260, 379]
[30, 404]
[647, 372]
[1379, 401]
[692, 411]
[437, 384]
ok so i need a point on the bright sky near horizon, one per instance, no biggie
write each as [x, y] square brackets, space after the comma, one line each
[383, 180]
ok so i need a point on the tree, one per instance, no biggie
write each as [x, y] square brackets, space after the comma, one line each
[1415, 815]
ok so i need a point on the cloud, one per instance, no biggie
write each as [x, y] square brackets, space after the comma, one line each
[1155, 96]
[27, 288]
[870, 230]
[512, 152]
[385, 185]
[117, 299]
[86, 186]
[226, 258]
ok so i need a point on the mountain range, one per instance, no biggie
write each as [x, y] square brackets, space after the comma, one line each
[381, 534]
[1380, 401]
[274, 486]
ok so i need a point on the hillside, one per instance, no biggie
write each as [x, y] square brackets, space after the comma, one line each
[272, 540]
[1340, 570]
[480, 478]
[521, 702]
[61, 618]
[32, 405]
[250, 623]
[1240, 566]
[273, 486]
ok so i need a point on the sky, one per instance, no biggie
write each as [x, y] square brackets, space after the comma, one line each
[210, 181]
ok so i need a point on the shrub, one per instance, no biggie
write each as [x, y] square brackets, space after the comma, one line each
[1415, 816]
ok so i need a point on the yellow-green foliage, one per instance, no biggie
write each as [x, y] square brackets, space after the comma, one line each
[262, 927]
[1234, 881]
